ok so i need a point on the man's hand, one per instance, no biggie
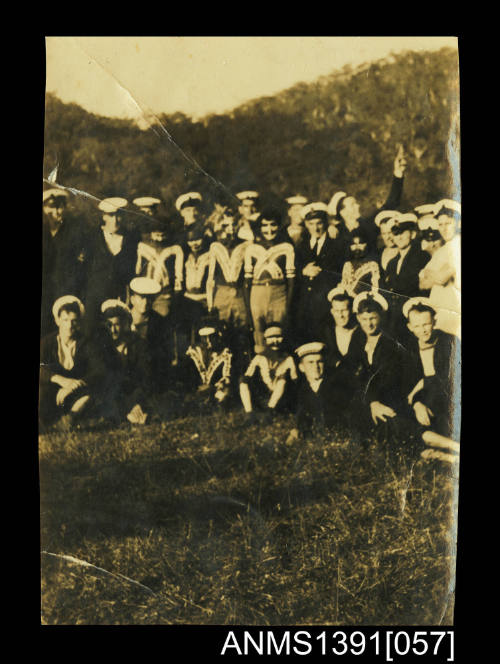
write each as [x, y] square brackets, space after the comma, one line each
[381, 412]
[422, 413]
[400, 163]
[68, 385]
[311, 270]
[137, 415]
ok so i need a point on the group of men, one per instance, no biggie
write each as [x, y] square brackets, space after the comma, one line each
[350, 322]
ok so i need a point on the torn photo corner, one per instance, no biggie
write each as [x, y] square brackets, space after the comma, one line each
[250, 358]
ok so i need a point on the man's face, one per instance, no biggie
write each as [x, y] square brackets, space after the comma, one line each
[358, 247]
[446, 227]
[68, 324]
[159, 236]
[269, 229]
[313, 366]
[190, 214]
[316, 227]
[369, 322]
[387, 236]
[341, 312]
[209, 341]
[226, 231]
[140, 303]
[350, 208]
[195, 245]
[403, 240]
[115, 327]
[294, 214]
[421, 324]
[54, 210]
[274, 342]
[112, 222]
[247, 208]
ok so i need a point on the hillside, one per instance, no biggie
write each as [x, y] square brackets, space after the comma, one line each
[338, 132]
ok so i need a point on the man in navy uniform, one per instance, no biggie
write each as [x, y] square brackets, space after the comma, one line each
[346, 209]
[315, 410]
[432, 370]
[318, 262]
[112, 257]
[65, 253]
[264, 384]
[157, 331]
[380, 393]
[67, 376]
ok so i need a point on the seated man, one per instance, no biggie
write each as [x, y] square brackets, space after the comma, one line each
[65, 365]
[378, 361]
[315, 410]
[432, 371]
[265, 382]
[207, 369]
[126, 380]
[157, 331]
[345, 333]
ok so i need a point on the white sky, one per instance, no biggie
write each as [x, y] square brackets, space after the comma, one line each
[200, 75]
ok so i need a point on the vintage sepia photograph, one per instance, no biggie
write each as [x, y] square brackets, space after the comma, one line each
[249, 405]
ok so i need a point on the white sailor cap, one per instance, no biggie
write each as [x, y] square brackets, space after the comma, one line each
[385, 216]
[273, 331]
[448, 204]
[66, 299]
[409, 304]
[369, 295]
[428, 221]
[247, 195]
[314, 347]
[112, 205]
[146, 201]
[339, 290]
[296, 200]
[113, 304]
[193, 197]
[424, 210]
[311, 210]
[54, 193]
[145, 286]
[334, 203]
[206, 331]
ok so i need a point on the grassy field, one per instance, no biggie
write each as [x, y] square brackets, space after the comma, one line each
[222, 523]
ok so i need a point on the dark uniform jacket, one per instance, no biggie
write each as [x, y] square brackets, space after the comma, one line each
[64, 258]
[311, 306]
[108, 275]
[441, 392]
[381, 380]
[125, 378]
[314, 409]
[86, 367]
[405, 284]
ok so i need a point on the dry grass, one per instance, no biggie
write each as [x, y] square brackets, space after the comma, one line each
[225, 524]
